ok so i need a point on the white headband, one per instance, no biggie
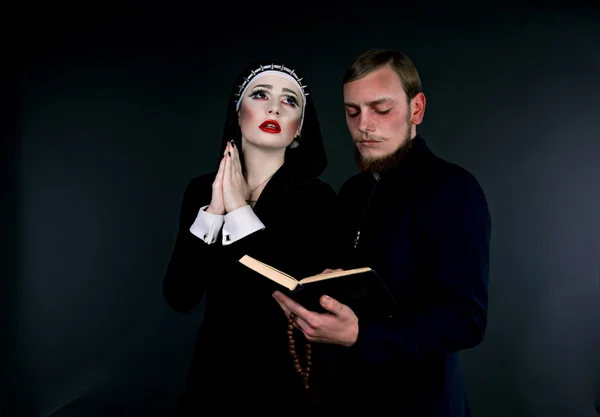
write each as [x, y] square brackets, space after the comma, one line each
[272, 69]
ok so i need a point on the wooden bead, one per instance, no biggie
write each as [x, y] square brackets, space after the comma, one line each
[304, 372]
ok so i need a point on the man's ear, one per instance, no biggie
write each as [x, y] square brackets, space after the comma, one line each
[417, 108]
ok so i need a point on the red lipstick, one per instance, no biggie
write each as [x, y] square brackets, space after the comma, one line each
[270, 126]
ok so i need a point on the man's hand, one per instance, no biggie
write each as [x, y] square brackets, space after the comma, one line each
[330, 270]
[338, 326]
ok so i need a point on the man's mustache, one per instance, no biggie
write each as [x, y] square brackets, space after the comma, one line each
[370, 139]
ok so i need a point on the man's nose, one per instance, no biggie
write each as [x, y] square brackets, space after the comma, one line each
[365, 124]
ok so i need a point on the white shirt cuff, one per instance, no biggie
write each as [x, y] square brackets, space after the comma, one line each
[240, 223]
[207, 225]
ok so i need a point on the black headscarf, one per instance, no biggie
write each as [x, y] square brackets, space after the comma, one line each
[304, 162]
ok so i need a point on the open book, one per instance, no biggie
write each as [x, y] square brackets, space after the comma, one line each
[361, 289]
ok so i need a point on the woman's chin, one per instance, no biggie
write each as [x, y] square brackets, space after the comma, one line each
[268, 144]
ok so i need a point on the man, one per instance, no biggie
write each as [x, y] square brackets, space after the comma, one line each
[423, 224]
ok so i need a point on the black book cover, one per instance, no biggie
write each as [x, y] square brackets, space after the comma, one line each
[365, 293]
[361, 289]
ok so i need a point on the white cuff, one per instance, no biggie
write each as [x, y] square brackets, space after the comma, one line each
[240, 223]
[207, 225]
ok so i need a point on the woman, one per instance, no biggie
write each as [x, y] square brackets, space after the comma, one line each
[265, 200]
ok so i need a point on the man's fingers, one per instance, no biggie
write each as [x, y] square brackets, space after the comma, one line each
[290, 305]
[325, 271]
[332, 305]
[285, 308]
[301, 324]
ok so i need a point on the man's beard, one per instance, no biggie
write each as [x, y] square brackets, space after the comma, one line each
[382, 163]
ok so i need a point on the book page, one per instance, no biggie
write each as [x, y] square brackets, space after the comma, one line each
[268, 271]
[335, 274]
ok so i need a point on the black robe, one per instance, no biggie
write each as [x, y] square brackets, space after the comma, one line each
[425, 228]
[241, 361]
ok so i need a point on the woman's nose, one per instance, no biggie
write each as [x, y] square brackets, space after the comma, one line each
[273, 109]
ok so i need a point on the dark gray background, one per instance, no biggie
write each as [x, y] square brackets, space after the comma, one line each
[109, 113]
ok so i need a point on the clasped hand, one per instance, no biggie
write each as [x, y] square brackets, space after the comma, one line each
[230, 190]
[338, 326]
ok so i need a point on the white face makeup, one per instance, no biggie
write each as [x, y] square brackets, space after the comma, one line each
[270, 112]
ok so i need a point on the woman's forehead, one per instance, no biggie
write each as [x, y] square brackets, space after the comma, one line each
[277, 82]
